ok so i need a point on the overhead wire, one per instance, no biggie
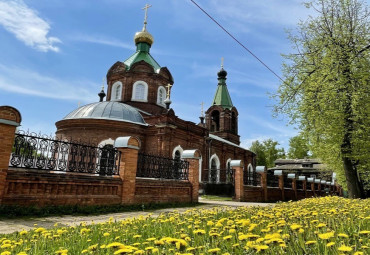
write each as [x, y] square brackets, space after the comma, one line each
[236, 40]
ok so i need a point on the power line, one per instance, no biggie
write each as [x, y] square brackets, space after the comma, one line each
[250, 52]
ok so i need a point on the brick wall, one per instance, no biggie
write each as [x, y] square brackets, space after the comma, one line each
[162, 191]
[253, 194]
[28, 187]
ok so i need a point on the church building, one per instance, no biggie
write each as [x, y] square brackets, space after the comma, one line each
[137, 103]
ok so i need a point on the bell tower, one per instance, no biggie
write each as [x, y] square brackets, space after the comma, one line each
[222, 116]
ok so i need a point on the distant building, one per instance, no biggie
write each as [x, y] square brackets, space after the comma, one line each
[307, 167]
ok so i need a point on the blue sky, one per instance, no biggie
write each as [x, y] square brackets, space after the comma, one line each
[54, 55]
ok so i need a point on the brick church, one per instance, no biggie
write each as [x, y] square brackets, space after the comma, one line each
[137, 103]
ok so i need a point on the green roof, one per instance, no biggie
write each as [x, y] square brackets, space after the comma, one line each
[222, 96]
[142, 53]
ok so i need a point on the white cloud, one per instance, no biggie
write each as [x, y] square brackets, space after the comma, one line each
[18, 80]
[26, 25]
[99, 39]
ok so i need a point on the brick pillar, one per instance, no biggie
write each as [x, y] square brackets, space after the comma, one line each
[319, 189]
[304, 184]
[313, 188]
[193, 157]
[281, 186]
[10, 118]
[263, 174]
[294, 187]
[237, 165]
[129, 147]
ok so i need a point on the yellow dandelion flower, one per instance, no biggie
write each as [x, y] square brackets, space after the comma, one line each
[345, 248]
[106, 234]
[123, 251]
[139, 252]
[364, 232]
[227, 237]
[358, 253]
[295, 226]
[343, 235]
[310, 242]
[326, 236]
[214, 250]
[330, 244]
[115, 245]
[6, 253]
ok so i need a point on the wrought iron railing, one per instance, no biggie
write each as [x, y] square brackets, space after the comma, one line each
[223, 176]
[150, 166]
[252, 178]
[34, 151]
[272, 180]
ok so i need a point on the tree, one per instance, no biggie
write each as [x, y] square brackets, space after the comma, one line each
[267, 152]
[259, 149]
[326, 88]
[298, 147]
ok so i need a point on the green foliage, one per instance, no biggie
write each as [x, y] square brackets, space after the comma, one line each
[298, 147]
[327, 86]
[12, 211]
[267, 152]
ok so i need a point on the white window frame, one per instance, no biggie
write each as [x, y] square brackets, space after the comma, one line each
[113, 91]
[161, 88]
[177, 148]
[214, 156]
[133, 98]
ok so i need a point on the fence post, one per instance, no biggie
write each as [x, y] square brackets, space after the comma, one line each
[193, 157]
[281, 186]
[129, 147]
[294, 186]
[239, 182]
[10, 118]
[262, 171]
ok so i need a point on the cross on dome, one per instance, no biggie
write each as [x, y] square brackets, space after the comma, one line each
[147, 6]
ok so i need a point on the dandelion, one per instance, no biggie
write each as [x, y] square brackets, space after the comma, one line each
[326, 236]
[310, 242]
[343, 235]
[330, 244]
[214, 250]
[345, 248]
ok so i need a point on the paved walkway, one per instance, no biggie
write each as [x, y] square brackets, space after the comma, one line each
[12, 225]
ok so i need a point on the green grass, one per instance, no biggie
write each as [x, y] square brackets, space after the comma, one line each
[217, 198]
[15, 211]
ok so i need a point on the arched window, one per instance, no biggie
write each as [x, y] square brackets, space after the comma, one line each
[161, 96]
[214, 171]
[234, 125]
[215, 121]
[251, 175]
[229, 173]
[140, 91]
[116, 91]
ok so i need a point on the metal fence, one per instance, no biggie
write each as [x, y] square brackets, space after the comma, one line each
[221, 176]
[272, 180]
[151, 166]
[251, 178]
[34, 151]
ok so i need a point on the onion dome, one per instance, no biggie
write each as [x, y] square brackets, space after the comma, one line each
[143, 37]
[108, 110]
[222, 73]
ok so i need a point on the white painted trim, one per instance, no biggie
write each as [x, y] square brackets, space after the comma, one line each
[214, 156]
[106, 142]
[177, 148]
[113, 91]
[145, 91]
[164, 96]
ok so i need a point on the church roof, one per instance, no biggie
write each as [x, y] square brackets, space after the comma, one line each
[108, 110]
[222, 96]
[140, 55]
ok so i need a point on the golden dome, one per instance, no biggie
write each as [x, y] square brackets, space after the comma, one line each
[143, 36]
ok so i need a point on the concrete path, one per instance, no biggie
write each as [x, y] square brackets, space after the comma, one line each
[12, 225]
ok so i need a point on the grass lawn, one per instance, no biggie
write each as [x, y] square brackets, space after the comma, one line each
[327, 225]
[217, 198]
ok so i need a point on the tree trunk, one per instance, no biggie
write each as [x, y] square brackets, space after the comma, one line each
[353, 183]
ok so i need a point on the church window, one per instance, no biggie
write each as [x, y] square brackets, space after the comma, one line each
[234, 123]
[214, 171]
[215, 121]
[140, 91]
[161, 96]
[116, 91]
